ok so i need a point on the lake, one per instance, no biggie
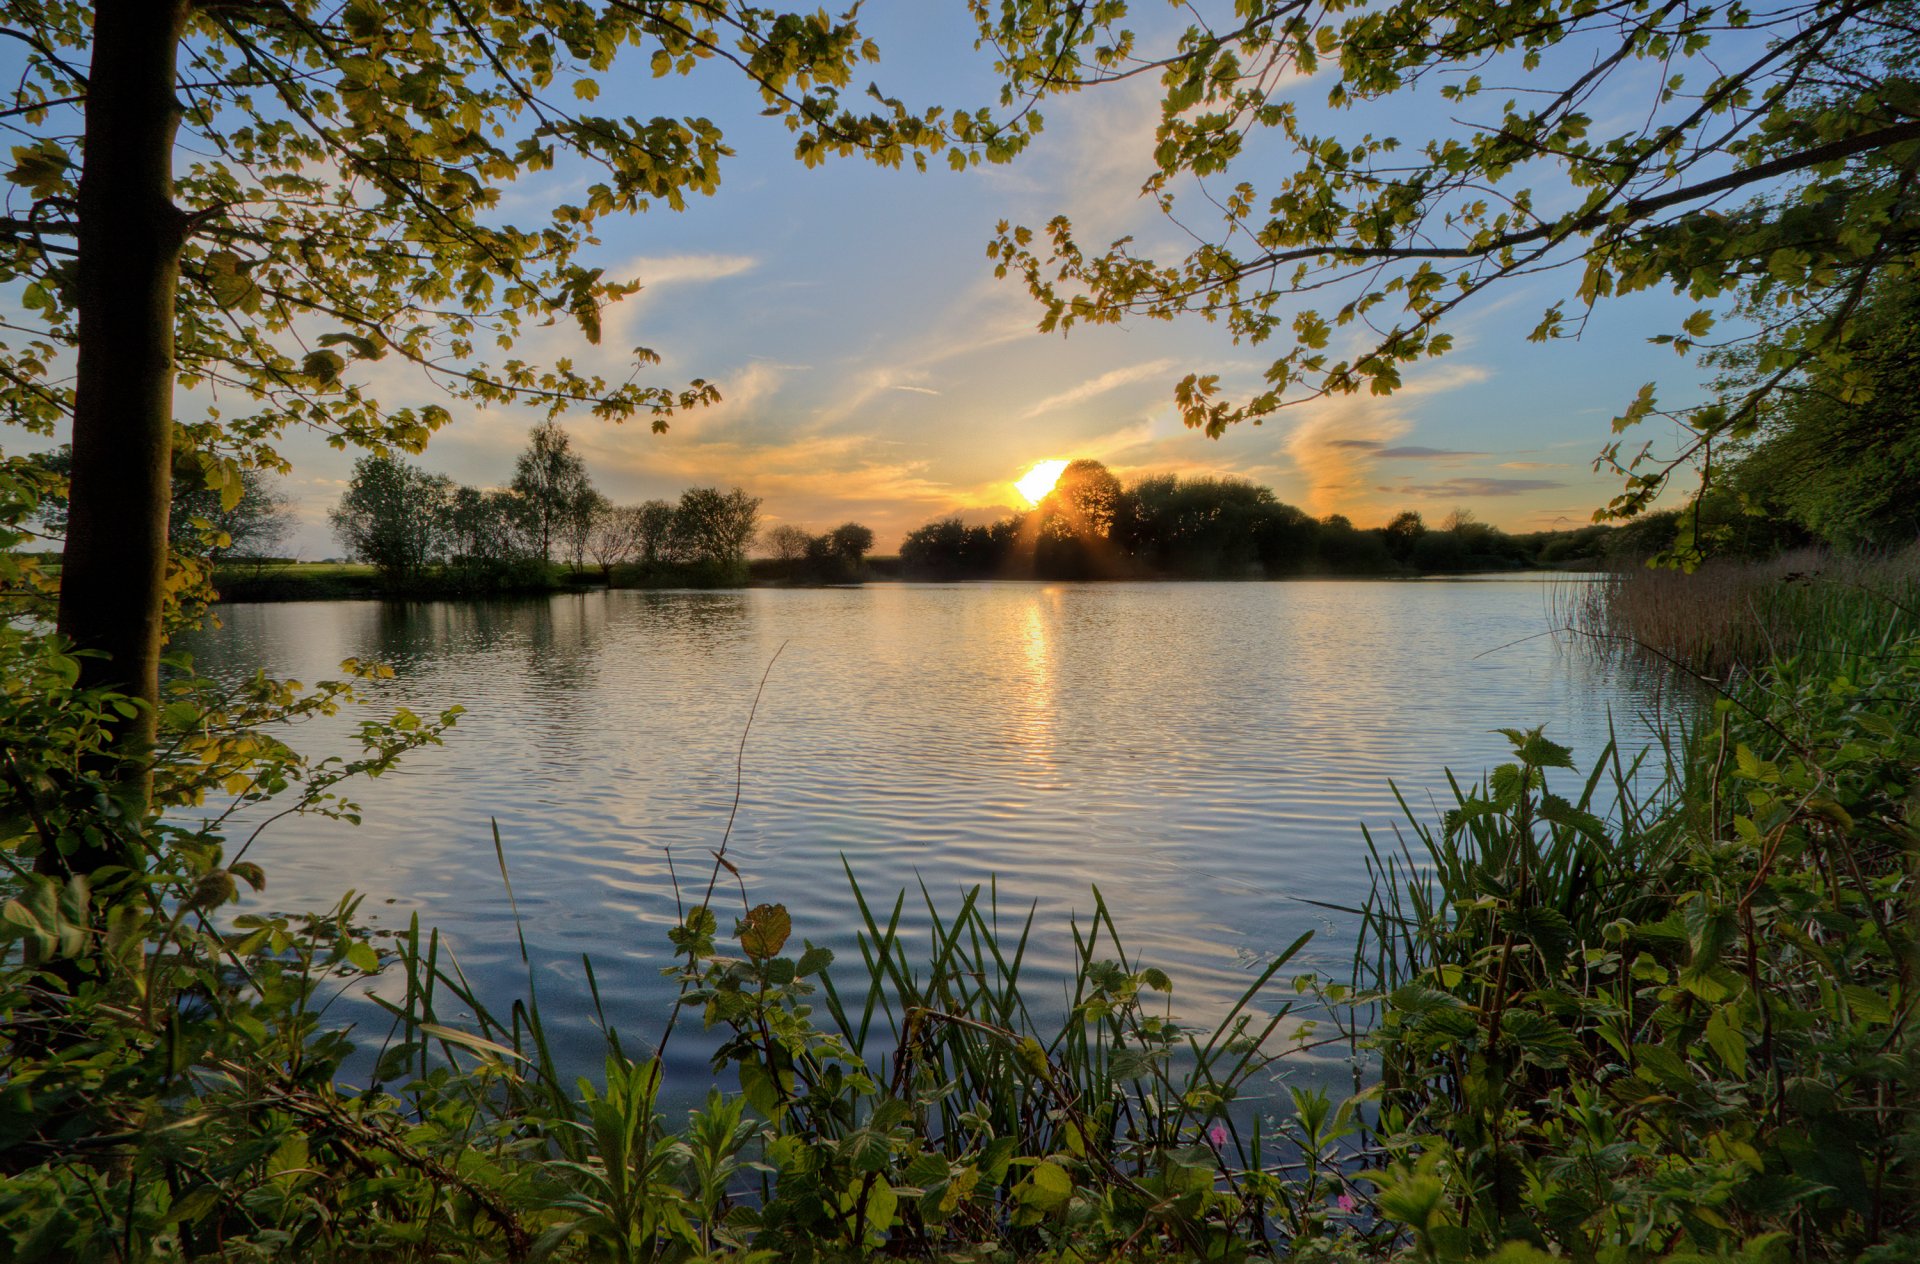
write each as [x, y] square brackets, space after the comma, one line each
[1204, 753]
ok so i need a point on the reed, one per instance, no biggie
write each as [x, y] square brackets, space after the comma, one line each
[1731, 617]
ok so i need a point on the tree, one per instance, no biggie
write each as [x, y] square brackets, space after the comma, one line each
[1804, 107]
[1836, 454]
[339, 203]
[653, 532]
[713, 529]
[1082, 501]
[484, 528]
[583, 509]
[240, 515]
[1403, 533]
[614, 535]
[948, 548]
[394, 515]
[551, 481]
[850, 542]
[788, 544]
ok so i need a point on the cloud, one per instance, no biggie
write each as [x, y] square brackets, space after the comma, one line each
[1337, 445]
[1422, 454]
[658, 272]
[1533, 465]
[1110, 380]
[917, 390]
[1404, 452]
[1456, 488]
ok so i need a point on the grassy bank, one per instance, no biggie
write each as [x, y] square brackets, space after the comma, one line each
[337, 581]
[1653, 1009]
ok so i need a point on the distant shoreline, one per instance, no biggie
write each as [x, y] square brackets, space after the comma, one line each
[335, 581]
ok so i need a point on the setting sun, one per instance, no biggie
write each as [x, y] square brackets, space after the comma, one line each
[1039, 480]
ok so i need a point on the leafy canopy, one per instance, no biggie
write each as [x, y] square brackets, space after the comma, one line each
[1763, 152]
[340, 176]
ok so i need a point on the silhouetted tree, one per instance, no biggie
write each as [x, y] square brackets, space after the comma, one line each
[788, 544]
[851, 541]
[1403, 533]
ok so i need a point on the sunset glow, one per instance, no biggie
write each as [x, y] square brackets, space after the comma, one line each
[1039, 480]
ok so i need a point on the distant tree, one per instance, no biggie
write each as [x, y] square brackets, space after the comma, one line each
[614, 536]
[551, 479]
[576, 525]
[788, 544]
[714, 528]
[850, 541]
[653, 532]
[948, 548]
[485, 527]
[1337, 522]
[1083, 501]
[395, 516]
[1403, 533]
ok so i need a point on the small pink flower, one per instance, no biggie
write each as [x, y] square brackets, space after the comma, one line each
[1344, 1202]
[1217, 1136]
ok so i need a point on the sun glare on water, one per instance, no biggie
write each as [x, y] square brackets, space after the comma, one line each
[1039, 480]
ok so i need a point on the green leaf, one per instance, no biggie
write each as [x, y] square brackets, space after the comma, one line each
[764, 931]
[1046, 1186]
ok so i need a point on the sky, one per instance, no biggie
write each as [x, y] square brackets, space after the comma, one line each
[873, 369]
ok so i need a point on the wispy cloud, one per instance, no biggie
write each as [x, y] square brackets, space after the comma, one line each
[1457, 488]
[1415, 453]
[1113, 379]
[917, 390]
[1337, 445]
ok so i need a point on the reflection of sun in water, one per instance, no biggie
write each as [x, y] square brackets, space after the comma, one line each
[1039, 480]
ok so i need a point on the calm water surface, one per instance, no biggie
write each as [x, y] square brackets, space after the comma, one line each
[1205, 753]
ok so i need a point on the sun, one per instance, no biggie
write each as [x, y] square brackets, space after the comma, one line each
[1039, 480]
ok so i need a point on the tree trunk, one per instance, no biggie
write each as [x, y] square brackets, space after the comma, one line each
[114, 570]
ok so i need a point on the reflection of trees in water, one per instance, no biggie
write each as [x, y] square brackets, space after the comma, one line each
[558, 637]
[706, 620]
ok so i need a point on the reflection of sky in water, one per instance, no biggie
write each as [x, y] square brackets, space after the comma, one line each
[1204, 753]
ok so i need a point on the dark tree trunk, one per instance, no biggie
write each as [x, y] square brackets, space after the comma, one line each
[113, 573]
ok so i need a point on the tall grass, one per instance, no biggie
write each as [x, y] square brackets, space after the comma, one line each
[1733, 616]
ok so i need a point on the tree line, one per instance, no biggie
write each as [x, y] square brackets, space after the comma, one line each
[1092, 526]
[421, 529]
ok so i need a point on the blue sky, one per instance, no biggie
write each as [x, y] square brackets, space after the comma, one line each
[873, 369]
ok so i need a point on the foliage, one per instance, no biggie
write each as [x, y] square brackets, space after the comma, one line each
[1729, 617]
[1682, 1032]
[1806, 108]
[1091, 526]
[555, 494]
[1836, 457]
[216, 512]
[395, 516]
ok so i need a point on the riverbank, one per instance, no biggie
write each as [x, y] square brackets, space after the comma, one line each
[339, 581]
